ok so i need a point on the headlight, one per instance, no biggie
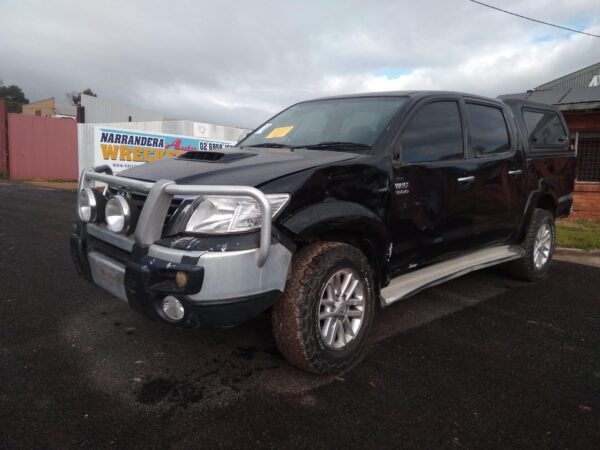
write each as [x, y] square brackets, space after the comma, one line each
[215, 215]
[90, 205]
[120, 214]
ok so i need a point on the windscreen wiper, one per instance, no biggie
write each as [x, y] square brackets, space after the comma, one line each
[335, 144]
[324, 145]
[269, 145]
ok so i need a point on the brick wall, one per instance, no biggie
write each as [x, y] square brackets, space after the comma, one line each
[586, 201]
[586, 198]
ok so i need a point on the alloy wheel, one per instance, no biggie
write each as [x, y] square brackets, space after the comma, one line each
[542, 246]
[341, 309]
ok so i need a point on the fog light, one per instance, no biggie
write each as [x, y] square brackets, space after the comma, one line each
[119, 215]
[173, 308]
[90, 205]
[181, 279]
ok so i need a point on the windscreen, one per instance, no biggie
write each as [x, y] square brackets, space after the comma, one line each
[350, 123]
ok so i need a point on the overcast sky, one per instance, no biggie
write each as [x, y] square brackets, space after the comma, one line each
[238, 62]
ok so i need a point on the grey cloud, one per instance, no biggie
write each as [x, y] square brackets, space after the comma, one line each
[238, 62]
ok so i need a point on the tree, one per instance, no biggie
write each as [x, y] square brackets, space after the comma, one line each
[75, 97]
[13, 96]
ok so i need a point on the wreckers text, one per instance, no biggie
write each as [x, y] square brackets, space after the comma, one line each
[141, 154]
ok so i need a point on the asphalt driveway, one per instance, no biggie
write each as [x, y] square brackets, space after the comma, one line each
[482, 361]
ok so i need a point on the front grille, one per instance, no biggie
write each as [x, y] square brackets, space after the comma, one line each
[139, 198]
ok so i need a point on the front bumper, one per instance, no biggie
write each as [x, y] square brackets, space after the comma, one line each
[225, 288]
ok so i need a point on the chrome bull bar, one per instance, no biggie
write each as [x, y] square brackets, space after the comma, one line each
[153, 214]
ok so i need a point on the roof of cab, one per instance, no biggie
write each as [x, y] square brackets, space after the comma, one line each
[411, 94]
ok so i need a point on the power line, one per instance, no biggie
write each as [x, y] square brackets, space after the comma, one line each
[534, 20]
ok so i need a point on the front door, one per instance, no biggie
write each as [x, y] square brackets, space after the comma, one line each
[433, 201]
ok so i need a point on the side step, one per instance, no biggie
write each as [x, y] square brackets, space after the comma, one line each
[411, 283]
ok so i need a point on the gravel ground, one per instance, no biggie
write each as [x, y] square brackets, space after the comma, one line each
[482, 361]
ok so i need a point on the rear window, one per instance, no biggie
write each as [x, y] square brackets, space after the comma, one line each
[544, 128]
[488, 131]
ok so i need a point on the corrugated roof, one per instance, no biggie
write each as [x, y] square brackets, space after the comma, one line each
[570, 92]
[564, 99]
[582, 95]
[585, 98]
[578, 79]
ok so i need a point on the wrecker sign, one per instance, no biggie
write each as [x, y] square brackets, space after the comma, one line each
[122, 149]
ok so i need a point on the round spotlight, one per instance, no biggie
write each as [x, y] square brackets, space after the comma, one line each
[173, 308]
[87, 205]
[118, 214]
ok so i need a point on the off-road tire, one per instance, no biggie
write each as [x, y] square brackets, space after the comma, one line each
[524, 268]
[295, 315]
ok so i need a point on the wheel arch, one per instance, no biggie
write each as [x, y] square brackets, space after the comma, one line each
[542, 198]
[346, 222]
[548, 202]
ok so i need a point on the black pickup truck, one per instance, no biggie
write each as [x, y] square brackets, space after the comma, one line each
[328, 212]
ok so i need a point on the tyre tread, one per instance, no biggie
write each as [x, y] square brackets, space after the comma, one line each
[291, 315]
[523, 268]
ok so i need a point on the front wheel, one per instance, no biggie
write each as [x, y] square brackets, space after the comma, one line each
[539, 248]
[322, 321]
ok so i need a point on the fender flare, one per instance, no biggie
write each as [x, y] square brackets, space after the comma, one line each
[331, 215]
[346, 217]
[543, 189]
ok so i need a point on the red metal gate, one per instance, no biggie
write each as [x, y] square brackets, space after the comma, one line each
[3, 137]
[42, 148]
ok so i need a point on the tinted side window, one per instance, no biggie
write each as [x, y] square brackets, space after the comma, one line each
[489, 134]
[544, 128]
[433, 134]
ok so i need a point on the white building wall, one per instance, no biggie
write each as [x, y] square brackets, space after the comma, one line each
[99, 110]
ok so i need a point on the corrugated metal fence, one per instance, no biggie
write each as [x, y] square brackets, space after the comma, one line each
[42, 148]
[3, 137]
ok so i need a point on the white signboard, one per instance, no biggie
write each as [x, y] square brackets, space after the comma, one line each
[122, 149]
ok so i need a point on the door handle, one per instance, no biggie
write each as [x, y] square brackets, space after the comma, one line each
[515, 173]
[465, 181]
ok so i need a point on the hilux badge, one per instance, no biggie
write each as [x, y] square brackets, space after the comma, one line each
[402, 187]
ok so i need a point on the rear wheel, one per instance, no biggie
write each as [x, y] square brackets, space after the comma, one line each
[539, 248]
[322, 322]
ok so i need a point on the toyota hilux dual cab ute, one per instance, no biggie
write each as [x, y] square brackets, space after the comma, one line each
[328, 212]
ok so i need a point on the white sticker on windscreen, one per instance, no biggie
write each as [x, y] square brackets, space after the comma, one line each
[263, 128]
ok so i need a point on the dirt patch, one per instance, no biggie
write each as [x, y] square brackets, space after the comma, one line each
[68, 185]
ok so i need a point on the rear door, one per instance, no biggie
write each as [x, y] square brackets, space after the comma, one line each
[497, 153]
[432, 205]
